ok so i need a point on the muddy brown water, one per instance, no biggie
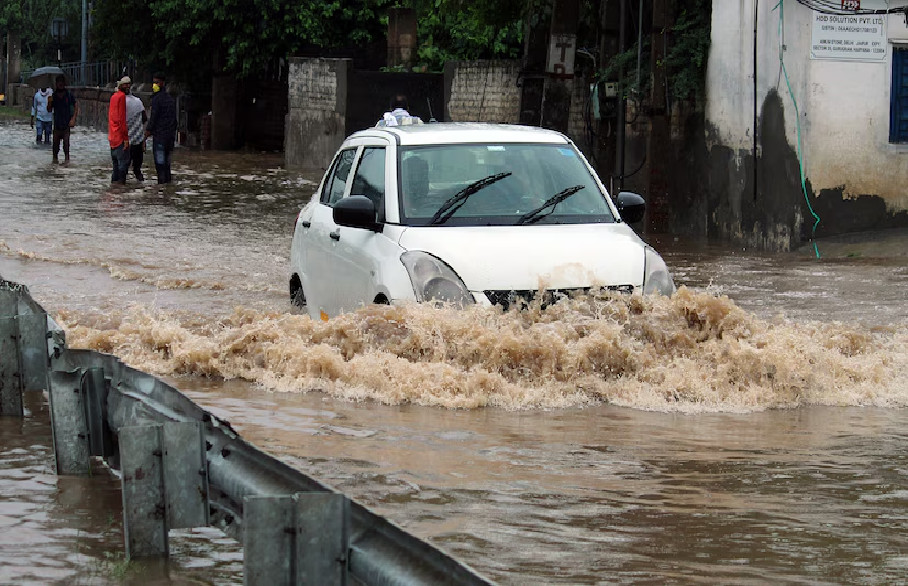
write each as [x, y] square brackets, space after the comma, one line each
[749, 430]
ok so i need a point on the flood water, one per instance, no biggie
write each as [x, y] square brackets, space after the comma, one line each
[751, 429]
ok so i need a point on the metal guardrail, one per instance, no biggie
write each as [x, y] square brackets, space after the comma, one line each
[183, 467]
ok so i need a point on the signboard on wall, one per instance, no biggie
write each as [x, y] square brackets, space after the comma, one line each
[560, 62]
[853, 37]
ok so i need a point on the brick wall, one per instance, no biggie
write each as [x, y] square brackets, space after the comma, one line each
[316, 120]
[320, 111]
[93, 103]
[482, 91]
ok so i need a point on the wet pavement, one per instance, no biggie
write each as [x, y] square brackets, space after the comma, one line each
[751, 429]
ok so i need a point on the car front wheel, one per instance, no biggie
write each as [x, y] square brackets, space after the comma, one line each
[297, 297]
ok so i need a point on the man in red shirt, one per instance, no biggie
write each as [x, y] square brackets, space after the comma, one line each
[118, 132]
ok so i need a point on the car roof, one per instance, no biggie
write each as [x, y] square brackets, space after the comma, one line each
[463, 132]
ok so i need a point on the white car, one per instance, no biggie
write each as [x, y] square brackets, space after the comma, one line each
[464, 213]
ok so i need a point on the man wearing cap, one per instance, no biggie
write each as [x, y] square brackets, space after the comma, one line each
[162, 126]
[118, 132]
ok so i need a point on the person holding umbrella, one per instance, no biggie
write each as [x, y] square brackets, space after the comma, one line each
[65, 108]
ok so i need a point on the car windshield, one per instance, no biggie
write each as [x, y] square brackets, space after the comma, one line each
[498, 185]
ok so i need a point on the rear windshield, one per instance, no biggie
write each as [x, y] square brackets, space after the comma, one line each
[498, 184]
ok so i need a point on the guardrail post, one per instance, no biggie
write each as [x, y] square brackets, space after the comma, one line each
[296, 540]
[323, 536]
[165, 483]
[94, 402]
[33, 348]
[144, 509]
[11, 379]
[68, 424]
[268, 540]
[185, 474]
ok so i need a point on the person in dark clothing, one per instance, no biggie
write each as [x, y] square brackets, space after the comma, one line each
[162, 126]
[65, 108]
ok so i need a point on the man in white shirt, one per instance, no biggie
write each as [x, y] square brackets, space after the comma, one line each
[135, 125]
[40, 114]
[398, 114]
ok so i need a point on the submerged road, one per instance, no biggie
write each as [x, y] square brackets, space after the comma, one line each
[751, 429]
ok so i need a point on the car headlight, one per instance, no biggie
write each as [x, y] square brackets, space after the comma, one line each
[656, 278]
[433, 280]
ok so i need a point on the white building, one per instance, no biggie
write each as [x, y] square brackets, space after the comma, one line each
[826, 96]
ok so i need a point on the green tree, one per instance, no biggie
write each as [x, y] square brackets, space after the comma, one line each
[685, 61]
[31, 20]
[125, 29]
[248, 35]
[458, 29]
[689, 52]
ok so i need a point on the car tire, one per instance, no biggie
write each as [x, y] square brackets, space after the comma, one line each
[297, 296]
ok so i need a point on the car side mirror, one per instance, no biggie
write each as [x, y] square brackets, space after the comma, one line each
[631, 206]
[356, 211]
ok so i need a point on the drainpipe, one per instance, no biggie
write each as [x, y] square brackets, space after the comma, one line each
[622, 102]
[756, 12]
[639, 47]
[84, 53]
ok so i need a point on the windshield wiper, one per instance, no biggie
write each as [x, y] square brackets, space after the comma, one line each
[453, 203]
[537, 214]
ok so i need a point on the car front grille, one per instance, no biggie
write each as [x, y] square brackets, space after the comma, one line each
[506, 298]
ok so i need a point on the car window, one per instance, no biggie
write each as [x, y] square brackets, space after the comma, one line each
[334, 187]
[516, 183]
[369, 179]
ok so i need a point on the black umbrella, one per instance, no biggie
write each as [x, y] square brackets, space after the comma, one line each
[44, 77]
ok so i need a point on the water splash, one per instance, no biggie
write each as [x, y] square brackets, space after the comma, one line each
[694, 352]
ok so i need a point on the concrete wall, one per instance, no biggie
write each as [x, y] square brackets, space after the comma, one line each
[93, 106]
[20, 94]
[327, 101]
[93, 103]
[839, 131]
[316, 121]
[482, 91]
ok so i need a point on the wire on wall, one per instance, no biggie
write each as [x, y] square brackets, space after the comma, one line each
[781, 8]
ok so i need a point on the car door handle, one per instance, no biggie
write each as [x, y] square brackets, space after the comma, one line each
[336, 235]
[306, 223]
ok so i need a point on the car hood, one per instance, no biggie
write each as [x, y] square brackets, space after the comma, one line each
[533, 257]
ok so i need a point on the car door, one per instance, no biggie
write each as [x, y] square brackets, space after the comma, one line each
[357, 251]
[321, 278]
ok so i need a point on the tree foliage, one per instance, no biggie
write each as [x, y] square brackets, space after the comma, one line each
[689, 52]
[248, 35]
[244, 36]
[31, 20]
[460, 29]
[684, 62]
